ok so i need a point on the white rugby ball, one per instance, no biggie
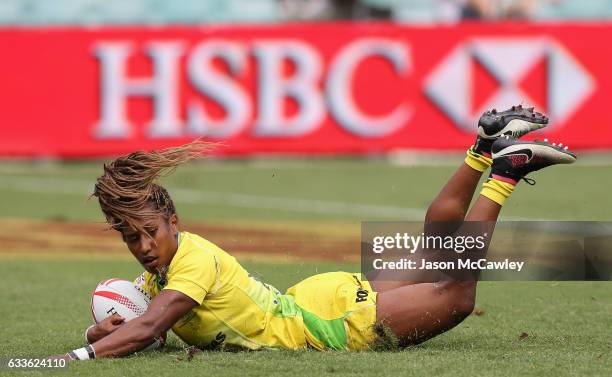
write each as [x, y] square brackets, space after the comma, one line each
[118, 296]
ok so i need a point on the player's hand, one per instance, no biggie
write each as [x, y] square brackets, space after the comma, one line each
[105, 327]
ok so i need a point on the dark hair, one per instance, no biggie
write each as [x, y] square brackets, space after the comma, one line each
[127, 192]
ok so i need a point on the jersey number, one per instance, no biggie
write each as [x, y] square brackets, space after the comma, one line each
[362, 295]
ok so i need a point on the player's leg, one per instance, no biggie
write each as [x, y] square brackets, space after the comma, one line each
[453, 200]
[418, 312]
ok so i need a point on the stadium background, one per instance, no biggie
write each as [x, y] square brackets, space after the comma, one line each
[328, 113]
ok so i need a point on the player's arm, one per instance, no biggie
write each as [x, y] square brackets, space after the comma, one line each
[108, 325]
[105, 327]
[165, 309]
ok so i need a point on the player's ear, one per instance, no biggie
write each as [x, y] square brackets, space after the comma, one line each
[174, 223]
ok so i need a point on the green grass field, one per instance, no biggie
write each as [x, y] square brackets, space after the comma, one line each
[45, 296]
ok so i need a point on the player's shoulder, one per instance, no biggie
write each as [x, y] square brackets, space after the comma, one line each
[193, 242]
[193, 247]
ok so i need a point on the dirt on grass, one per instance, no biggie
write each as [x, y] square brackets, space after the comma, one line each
[274, 240]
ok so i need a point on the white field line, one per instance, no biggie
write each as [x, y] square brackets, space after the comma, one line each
[237, 200]
[229, 199]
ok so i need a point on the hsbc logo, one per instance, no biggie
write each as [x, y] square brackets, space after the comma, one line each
[317, 90]
[498, 72]
[252, 94]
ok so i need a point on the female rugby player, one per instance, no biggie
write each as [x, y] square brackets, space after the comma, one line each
[205, 296]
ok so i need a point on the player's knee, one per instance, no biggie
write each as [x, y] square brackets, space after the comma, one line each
[464, 307]
[465, 299]
[461, 297]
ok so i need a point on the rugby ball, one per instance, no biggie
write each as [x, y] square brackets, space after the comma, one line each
[118, 296]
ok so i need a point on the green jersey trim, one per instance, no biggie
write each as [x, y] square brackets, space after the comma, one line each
[331, 333]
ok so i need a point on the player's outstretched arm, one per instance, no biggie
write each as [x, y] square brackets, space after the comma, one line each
[105, 327]
[165, 309]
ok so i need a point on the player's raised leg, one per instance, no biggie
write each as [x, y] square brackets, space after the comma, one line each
[418, 312]
[453, 200]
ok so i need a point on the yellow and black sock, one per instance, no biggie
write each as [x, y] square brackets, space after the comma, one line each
[477, 161]
[497, 190]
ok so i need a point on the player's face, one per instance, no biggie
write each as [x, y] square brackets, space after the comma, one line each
[157, 252]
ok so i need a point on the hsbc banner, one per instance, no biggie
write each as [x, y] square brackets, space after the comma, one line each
[301, 88]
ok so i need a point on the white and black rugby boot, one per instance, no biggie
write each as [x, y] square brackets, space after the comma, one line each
[514, 122]
[513, 159]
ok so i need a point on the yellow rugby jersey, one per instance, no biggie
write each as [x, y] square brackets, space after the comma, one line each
[235, 310]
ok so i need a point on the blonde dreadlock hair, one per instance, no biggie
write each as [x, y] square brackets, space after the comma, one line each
[127, 192]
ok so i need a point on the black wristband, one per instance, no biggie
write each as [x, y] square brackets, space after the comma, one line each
[90, 351]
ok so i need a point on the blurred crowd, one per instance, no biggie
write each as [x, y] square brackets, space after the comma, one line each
[455, 10]
[88, 12]
[441, 10]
